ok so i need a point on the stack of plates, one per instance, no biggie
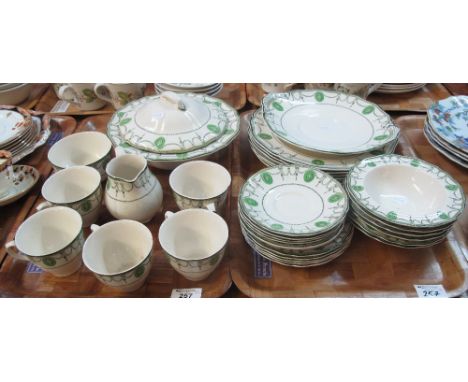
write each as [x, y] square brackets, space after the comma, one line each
[295, 216]
[403, 201]
[20, 133]
[208, 88]
[446, 128]
[398, 88]
[169, 129]
[328, 130]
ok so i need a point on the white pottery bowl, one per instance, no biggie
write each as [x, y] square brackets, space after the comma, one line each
[88, 148]
[119, 253]
[194, 241]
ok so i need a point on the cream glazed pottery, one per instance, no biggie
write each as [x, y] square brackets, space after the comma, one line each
[132, 190]
[82, 95]
[119, 94]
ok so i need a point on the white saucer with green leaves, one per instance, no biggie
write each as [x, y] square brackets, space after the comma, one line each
[294, 200]
[328, 121]
[267, 142]
[171, 123]
[406, 191]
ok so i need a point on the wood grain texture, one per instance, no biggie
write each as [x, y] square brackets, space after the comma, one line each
[457, 89]
[368, 268]
[16, 281]
[14, 214]
[35, 96]
[233, 94]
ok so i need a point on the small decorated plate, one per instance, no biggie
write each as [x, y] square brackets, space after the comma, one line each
[13, 125]
[328, 121]
[449, 120]
[25, 177]
[171, 123]
[294, 200]
[406, 191]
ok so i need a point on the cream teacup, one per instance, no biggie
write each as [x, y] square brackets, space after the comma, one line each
[52, 239]
[194, 242]
[81, 95]
[200, 184]
[88, 148]
[119, 94]
[76, 187]
[119, 254]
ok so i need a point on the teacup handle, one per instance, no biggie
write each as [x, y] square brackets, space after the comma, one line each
[44, 205]
[174, 100]
[14, 252]
[168, 214]
[67, 93]
[102, 91]
[211, 207]
[94, 227]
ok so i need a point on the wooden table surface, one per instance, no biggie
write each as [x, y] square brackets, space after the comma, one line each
[10, 215]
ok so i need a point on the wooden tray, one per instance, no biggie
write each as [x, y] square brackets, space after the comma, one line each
[16, 279]
[368, 268]
[13, 214]
[233, 94]
[417, 101]
[457, 89]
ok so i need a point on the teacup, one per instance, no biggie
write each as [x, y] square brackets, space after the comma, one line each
[52, 239]
[194, 242]
[119, 254]
[200, 184]
[119, 94]
[361, 90]
[6, 172]
[82, 95]
[88, 148]
[76, 187]
[277, 88]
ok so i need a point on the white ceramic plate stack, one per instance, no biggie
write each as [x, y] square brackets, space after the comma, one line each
[210, 89]
[20, 133]
[403, 201]
[446, 128]
[295, 216]
[328, 130]
[398, 88]
[169, 128]
[14, 94]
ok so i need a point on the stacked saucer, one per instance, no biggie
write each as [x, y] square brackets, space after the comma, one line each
[325, 129]
[20, 133]
[446, 128]
[403, 201]
[172, 128]
[210, 89]
[398, 88]
[295, 216]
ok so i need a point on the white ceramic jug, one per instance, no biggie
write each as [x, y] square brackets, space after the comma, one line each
[132, 190]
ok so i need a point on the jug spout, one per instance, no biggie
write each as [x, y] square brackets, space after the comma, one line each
[126, 168]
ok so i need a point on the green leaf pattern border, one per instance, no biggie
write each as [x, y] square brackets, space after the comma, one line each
[358, 193]
[259, 131]
[379, 118]
[171, 143]
[326, 186]
[231, 132]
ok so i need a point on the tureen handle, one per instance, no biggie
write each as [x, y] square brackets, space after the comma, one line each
[174, 100]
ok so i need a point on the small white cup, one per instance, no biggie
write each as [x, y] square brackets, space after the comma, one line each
[82, 95]
[52, 239]
[119, 254]
[88, 148]
[194, 242]
[200, 184]
[76, 187]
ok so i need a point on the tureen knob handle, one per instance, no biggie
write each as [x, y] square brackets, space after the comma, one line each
[173, 99]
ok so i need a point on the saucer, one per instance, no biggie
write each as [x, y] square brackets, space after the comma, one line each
[26, 178]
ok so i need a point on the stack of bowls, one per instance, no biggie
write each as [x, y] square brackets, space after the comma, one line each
[20, 133]
[329, 130]
[398, 88]
[446, 128]
[403, 201]
[295, 216]
[14, 94]
[172, 128]
[210, 89]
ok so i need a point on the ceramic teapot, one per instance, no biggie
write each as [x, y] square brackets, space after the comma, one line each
[132, 190]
